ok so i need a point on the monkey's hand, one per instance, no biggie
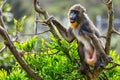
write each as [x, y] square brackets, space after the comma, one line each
[49, 20]
[109, 58]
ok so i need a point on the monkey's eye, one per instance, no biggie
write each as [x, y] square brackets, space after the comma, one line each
[74, 11]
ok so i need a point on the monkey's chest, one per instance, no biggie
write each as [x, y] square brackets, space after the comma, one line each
[83, 39]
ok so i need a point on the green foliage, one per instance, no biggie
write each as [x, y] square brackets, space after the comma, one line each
[19, 24]
[114, 74]
[16, 74]
[52, 63]
[3, 75]
[28, 45]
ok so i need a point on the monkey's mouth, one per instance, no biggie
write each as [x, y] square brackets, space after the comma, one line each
[72, 20]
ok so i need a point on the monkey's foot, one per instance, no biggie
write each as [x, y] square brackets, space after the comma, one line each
[109, 59]
[84, 69]
[98, 65]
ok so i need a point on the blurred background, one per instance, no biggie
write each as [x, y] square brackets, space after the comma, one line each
[96, 10]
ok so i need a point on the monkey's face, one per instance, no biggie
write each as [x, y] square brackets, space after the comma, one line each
[73, 16]
[76, 13]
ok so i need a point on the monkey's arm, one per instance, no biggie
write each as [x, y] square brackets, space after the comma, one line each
[66, 33]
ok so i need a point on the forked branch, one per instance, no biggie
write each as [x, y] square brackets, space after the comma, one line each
[46, 16]
[111, 30]
[109, 5]
[39, 9]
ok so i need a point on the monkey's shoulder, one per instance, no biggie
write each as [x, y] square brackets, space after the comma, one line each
[89, 27]
[85, 26]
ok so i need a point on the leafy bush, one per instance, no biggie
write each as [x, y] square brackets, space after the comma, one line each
[16, 74]
[28, 45]
[114, 74]
[52, 63]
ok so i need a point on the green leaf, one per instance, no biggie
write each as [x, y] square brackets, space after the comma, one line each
[18, 24]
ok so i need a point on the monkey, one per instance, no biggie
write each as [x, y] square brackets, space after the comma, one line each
[84, 31]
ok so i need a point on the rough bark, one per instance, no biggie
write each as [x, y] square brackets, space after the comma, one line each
[110, 26]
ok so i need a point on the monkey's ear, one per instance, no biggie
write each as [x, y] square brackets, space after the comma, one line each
[80, 8]
[83, 9]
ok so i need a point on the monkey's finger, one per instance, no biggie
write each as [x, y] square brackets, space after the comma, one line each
[49, 20]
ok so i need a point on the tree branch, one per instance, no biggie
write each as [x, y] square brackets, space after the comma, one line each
[104, 37]
[36, 23]
[1, 9]
[46, 16]
[114, 64]
[3, 49]
[39, 9]
[24, 34]
[109, 4]
[107, 1]
[116, 32]
[3, 4]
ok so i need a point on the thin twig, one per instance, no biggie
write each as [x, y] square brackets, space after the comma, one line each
[39, 21]
[114, 64]
[3, 48]
[116, 32]
[36, 23]
[104, 37]
[1, 9]
[3, 4]
[42, 22]
[26, 34]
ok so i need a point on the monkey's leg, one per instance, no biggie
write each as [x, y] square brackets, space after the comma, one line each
[100, 63]
[84, 67]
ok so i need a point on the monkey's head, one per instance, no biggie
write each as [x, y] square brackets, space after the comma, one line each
[76, 13]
